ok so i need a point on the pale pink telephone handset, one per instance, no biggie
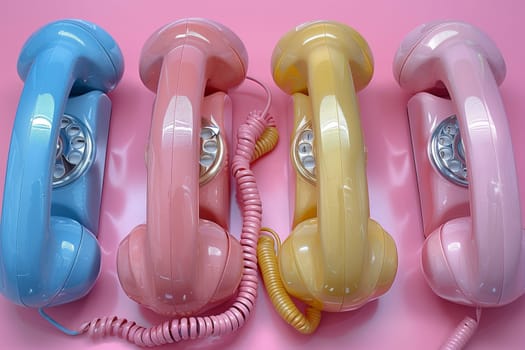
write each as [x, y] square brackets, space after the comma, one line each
[183, 261]
[474, 251]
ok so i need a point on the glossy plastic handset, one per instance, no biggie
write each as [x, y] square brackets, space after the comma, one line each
[336, 258]
[475, 259]
[342, 275]
[49, 255]
[473, 253]
[183, 261]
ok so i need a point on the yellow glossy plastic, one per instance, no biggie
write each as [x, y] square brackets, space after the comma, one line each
[336, 258]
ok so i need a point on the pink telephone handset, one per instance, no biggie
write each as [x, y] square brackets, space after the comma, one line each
[474, 251]
[183, 261]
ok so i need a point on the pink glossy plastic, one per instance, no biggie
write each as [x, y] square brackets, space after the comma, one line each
[445, 200]
[475, 260]
[410, 316]
[181, 262]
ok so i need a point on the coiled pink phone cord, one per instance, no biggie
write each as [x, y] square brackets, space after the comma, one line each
[463, 332]
[250, 146]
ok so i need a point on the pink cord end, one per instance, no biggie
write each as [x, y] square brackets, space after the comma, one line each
[463, 332]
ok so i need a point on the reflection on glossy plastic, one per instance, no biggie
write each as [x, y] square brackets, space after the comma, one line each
[336, 258]
[183, 261]
[53, 185]
[474, 252]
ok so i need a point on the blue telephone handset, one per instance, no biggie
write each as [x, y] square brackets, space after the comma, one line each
[49, 254]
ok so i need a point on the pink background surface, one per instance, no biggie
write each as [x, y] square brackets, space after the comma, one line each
[410, 316]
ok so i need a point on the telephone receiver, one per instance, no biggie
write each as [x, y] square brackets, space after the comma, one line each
[473, 253]
[183, 260]
[336, 258]
[53, 184]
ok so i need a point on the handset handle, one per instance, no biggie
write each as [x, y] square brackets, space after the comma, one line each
[27, 198]
[50, 260]
[494, 196]
[173, 165]
[342, 194]
[164, 264]
[340, 259]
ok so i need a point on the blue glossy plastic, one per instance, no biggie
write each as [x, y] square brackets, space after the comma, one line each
[97, 64]
[80, 200]
[48, 255]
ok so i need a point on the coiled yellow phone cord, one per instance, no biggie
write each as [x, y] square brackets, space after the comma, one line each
[267, 258]
[266, 142]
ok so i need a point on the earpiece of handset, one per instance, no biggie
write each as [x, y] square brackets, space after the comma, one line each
[349, 258]
[179, 263]
[50, 260]
[475, 260]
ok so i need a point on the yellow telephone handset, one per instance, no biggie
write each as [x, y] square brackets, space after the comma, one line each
[336, 258]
